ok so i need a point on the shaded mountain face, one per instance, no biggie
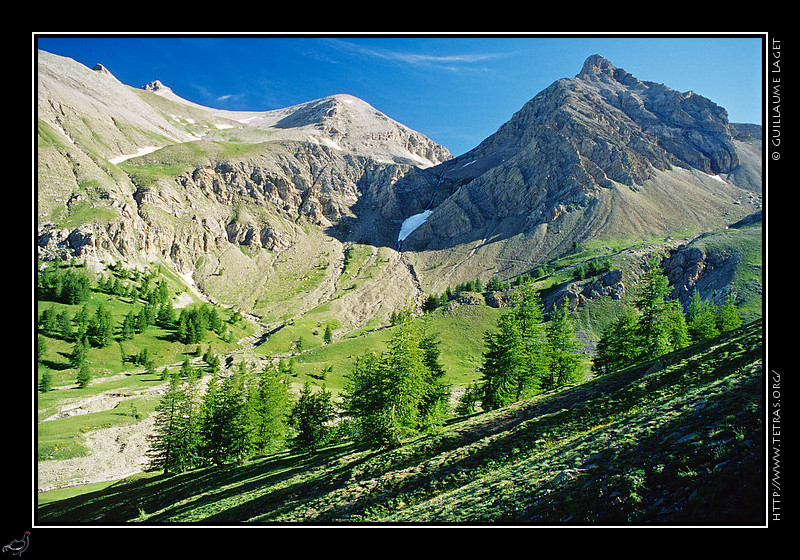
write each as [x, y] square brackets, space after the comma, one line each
[274, 195]
[601, 155]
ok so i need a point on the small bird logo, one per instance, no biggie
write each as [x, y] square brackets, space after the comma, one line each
[18, 546]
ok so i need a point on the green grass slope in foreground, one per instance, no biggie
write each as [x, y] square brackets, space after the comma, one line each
[675, 441]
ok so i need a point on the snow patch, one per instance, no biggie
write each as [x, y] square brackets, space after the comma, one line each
[413, 222]
[331, 143]
[327, 141]
[422, 161]
[718, 178]
[141, 152]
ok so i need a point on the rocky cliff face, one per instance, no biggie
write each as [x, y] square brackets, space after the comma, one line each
[599, 155]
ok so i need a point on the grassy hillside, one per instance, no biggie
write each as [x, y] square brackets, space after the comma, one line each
[122, 391]
[676, 441]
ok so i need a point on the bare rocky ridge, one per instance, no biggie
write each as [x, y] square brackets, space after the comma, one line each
[342, 122]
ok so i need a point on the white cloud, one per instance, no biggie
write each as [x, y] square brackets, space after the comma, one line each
[449, 62]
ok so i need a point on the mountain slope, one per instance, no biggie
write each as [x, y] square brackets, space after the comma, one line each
[601, 156]
[676, 441]
[236, 202]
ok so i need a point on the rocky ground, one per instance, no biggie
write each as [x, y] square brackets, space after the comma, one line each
[113, 453]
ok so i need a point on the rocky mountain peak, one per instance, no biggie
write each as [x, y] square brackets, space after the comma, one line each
[340, 109]
[577, 152]
[598, 69]
[597, 64]
[101, 69]
[156, 87]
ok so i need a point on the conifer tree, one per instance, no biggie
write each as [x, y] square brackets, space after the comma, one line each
[128, 323]
[101, 329]
[81, 320]
[515, 360]
[45, 384]
[190, 423]
[659, 327]
[366, 400]
[270, 409]
[84, 376]
[503, 363]
[728, 317]
[212, 423]
[174, 443]
[701, 318]
[65, 325]
[617, 347]
[527, 310]
[650, 300]
[227, 419]
[49, 319]
[677, 330]
[165, 316]
[163, 441]
[399, 392]
[310, 417]
[79, 350]
[434, 406]
[404, 368]
[562, 346]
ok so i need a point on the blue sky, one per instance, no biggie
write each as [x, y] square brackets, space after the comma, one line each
[456, 90]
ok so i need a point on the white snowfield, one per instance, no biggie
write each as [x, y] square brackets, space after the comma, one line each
[413, 222]
[141, 152]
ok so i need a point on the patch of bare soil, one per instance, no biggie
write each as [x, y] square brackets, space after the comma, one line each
[113, 453]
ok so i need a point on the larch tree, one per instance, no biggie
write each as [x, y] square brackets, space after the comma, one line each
[650, 300]
[515, 361]
[617, 347]
[503, 363]
[271, 406]
[701, 318]
[564, 362]
[310, 417]
[400, 392]
[728, 317]
[175, 442]
[164, 441]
